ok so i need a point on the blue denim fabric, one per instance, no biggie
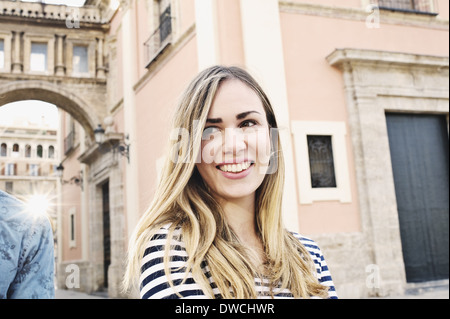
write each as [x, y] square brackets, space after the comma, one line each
[26, 252]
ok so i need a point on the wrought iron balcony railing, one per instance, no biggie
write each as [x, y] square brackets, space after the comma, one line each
[416, 6]
[69, 142]
[159, 40]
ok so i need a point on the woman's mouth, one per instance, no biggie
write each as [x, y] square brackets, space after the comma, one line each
[235, 168]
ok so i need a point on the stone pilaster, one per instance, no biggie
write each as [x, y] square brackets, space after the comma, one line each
[17, 65]
[60, 69]
[101, 70]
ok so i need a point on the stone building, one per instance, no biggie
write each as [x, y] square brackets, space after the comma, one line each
[56, 54]
[362, 83]
[28, 161]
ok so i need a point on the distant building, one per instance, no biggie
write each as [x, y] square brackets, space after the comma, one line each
[29, 156]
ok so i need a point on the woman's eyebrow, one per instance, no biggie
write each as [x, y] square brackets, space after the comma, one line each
[214, 121]
[240, 116]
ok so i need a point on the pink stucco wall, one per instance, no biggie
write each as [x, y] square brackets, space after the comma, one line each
[155, 104]
[71, 193]
[315, 89]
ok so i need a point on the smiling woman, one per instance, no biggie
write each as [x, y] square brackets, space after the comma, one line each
[214, 229]
[241, 129]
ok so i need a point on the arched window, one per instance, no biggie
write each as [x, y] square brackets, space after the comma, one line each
[3, 149]
[39, 151]
[27, 150]
[15, 150]
[51, 151]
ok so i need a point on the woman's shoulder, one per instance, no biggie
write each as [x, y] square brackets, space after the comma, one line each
[166, 230]
[163, 236]
[312, 247]
[155, 250]
[323, 273]
[309, 243]
[154, 281]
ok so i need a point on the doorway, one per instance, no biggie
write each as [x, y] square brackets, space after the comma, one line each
[419, 148]
[106, 233]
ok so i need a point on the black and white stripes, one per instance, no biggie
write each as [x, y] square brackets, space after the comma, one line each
[154, 283]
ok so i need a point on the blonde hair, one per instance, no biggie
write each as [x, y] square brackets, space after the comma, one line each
[182, 200]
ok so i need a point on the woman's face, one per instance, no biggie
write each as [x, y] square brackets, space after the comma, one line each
[235, 149]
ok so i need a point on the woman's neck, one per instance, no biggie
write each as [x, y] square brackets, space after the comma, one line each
[240, 216]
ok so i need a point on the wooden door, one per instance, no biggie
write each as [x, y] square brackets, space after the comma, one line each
[419, 147]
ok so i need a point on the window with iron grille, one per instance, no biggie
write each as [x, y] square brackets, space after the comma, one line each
[162, 36]
[165, 26]
[420, 6]
[69, 142]
[321, 161]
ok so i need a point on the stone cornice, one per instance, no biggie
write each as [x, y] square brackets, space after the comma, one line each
[360, 14]
[340, 57]
[72, 17]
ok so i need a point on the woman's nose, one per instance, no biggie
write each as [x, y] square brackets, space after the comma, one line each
[233, 141]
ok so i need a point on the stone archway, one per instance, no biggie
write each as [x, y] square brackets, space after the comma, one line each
[82, 93]
[88, 112]
[87, 105]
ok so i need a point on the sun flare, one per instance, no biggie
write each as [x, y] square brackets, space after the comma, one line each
[38, 204]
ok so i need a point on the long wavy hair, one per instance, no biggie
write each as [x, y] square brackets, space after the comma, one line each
[183, 200]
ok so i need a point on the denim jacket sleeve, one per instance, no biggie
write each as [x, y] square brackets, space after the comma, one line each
[26, 253]
[35, 271]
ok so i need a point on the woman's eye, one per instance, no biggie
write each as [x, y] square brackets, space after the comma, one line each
[248, 123]
[208, 132]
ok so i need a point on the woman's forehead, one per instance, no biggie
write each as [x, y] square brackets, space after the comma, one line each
[234, 97]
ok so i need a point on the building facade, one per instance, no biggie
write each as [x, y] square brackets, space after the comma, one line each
[360, 91]
[28, 161]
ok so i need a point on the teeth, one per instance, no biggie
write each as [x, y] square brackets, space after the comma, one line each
[235, 168]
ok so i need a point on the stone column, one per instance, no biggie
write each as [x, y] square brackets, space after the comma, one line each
[118, 231]
[59, 68]
[17, 65]
[129, 114]
[101, 74]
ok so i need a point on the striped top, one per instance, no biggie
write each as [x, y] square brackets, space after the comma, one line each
[154, 283]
